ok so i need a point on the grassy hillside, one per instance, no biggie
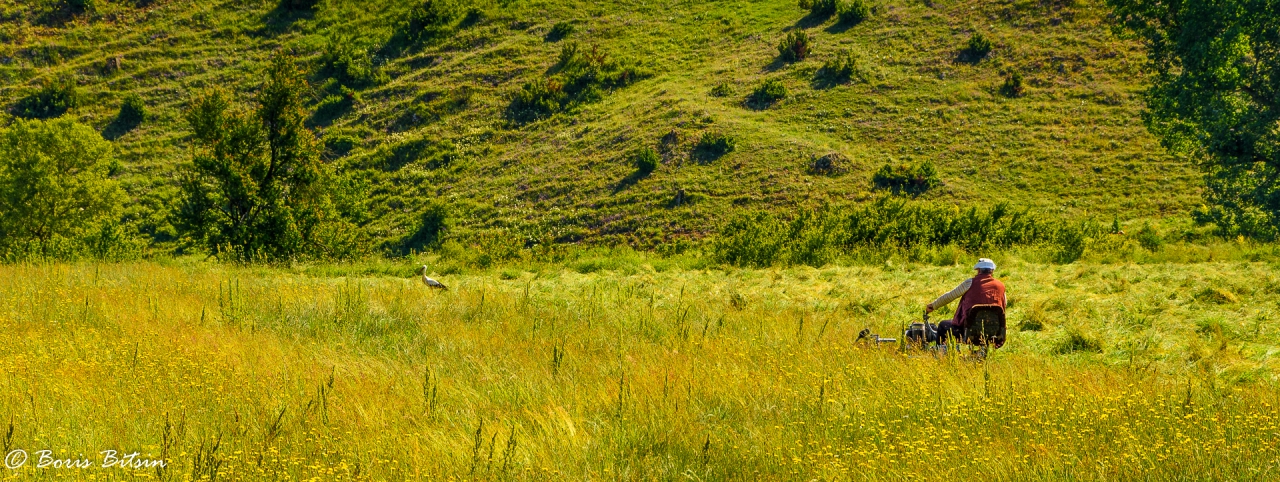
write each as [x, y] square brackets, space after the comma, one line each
[649, 372]
[429, 124]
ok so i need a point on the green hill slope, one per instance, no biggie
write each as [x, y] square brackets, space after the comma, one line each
[432, 125]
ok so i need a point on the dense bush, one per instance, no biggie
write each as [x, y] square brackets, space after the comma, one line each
[431, 19]
[432, 225]
[559, 31]
[536, 100]
[822, 8]
[645, 161]
[1149, 239]
[767, 93]
[978, 47]
[52, 100]
[819, 236]
[580, 76]
[132, 110]
[344, 59]
[297, 5]
[53, 183]
[795, 47]
[854, 12]
[713, 145]
[840, 70]
[906, 179]
[1012, 86]
[722, 89]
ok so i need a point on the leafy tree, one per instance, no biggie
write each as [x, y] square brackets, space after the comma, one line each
[256, 187]
[1215, 98]
[53, 180]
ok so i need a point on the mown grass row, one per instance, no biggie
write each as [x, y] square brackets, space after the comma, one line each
[552, 375]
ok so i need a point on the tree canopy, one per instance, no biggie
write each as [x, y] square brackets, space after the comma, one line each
[256, 186]
[53, 180]
[1215, 97]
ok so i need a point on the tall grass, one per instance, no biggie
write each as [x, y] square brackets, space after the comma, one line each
[253, 374]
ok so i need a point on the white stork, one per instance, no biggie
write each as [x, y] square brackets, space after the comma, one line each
[426, 280]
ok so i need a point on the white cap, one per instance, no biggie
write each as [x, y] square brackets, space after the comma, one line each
[984, 263]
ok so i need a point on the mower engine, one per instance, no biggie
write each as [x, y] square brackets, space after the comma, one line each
[919, 334]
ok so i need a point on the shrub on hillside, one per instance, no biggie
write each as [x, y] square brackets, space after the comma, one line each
[645, 161]
[854, 12]
[906, 179]
[822, 8]
[795, 47]
[559, 31]
[432, 226]
[1149, 239]
[767, 94]
[840, 70]
[713, 145]
[132, 110]
[297, 5]
[580, 76]
[1013, 86]
[978, 47]
[345, 60]
[431, 19]
[132, 113]
[535, 100]
[52, 100]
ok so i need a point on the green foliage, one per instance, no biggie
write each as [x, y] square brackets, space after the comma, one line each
[978, 48]
[767, 94]
[1149, 238]
[795, 47]
[1012, 86]
[723, 89]
[1071, 245]
[854, 12]
[53, 182]
[53, 99]
[256, 187]
[349, 62]
[559, 31]
[1213, 98]
[822, 8]
[339, 144]
[132, 110]
[913, 179]
[298, 5]
[433, 224]
[819, 236]
[580, 76]
[431, 19]
[841, 69]
[538, 99]
[645, 160]
[713, 145]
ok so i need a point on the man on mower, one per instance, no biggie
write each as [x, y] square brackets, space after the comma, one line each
[982, 289]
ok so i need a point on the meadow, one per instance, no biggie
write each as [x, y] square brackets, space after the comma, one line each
[643, 368]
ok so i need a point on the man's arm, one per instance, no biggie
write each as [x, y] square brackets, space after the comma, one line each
[950, 296]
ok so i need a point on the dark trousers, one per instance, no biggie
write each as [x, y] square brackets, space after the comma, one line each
[948, 329]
